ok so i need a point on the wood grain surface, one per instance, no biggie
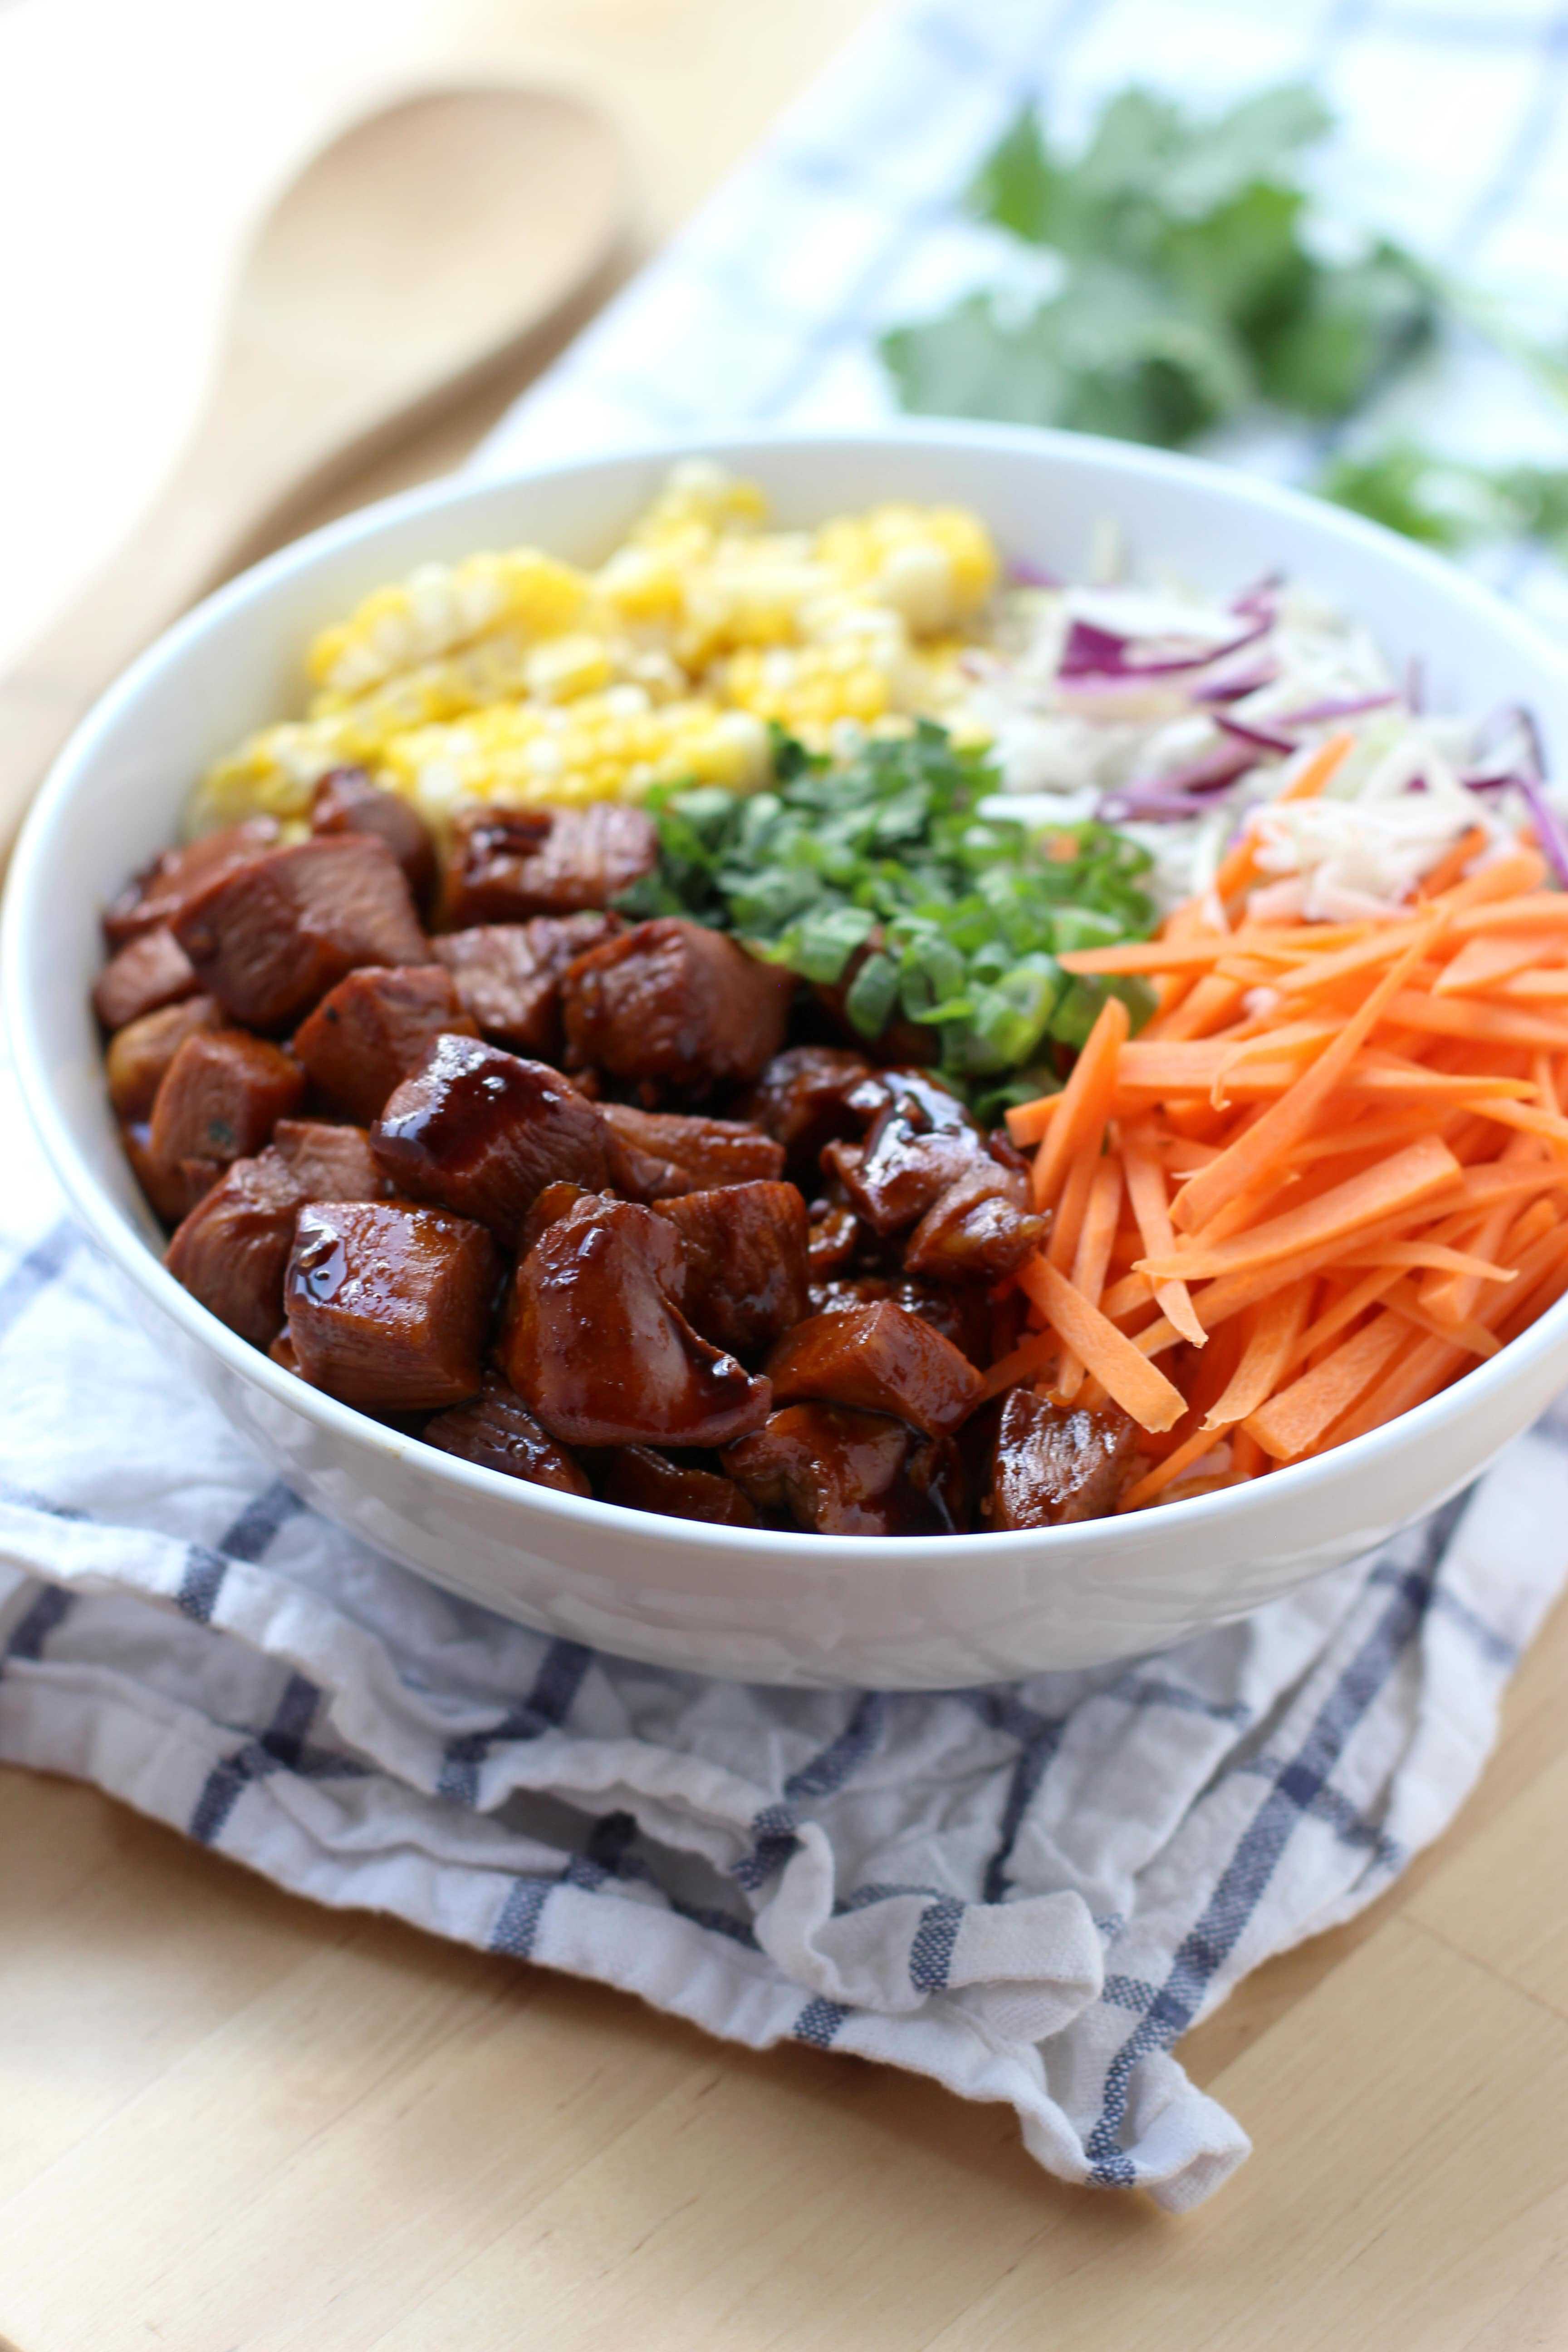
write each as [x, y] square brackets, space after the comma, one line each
[234, 2122]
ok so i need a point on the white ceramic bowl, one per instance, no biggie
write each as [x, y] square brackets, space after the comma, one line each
[929, 1611]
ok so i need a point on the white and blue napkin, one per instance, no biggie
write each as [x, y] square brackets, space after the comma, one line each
[1027, 1892]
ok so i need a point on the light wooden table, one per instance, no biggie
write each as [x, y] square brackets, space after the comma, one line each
[230, 2122]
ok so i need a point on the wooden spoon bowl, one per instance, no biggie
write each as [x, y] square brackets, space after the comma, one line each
[424, 249]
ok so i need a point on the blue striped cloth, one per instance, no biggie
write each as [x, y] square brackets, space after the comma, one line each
[1030, 1891]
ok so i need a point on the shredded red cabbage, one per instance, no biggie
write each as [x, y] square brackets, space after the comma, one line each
[1267, 738]
[1343, 706]
[1093, 652]
[1548, 830]
[1028, 574]
[1244, 682]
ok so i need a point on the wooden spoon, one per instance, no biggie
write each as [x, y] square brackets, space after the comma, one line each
[420, 251]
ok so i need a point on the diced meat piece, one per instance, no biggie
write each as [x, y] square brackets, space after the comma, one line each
[803, 1098]
[389, 1308]
[483, 1133]
[835, 1235]
[373, 1029]
[675, 1004]
[552, 1202]
[221, 1096]
[921, 1140]
[961, 1311]
[506, 864]
[697, 1153]
[347, 801]
[162, 892]
[497, 1431]
[139, 1053]
[270, 937]
[639, 1479]
[746, 1278]
[838, 1471]
[328, 1163]
[283, 1351]
[149, 971]
[596, 1346]
[232, 1249]
[172, 1187]
[1049, 1466]
[980, 1229]
[881, 1358]
[508, 976]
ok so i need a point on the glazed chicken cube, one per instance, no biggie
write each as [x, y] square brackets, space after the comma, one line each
[148, 973]
[172, 1187]
[641, 1479]
[881, 1358]
[347, 801]
[232, 1249]
[505, 865]
[803, 1098]
[161, 893]
[676, 1004]
[597, 1348]
[961, 1311]
[497, 1430]
[980, 1229]
[834, 1471]
[1049, 1466]
[389, 1308]
[221, 1096]
[271, 937]
[483, 1133]
[508, 976]
[922, 1138]
[138, 1055]
[669, 1153]
[373, 1029]
[746, 1276]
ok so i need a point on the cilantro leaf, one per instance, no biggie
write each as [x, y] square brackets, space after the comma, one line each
[1448, 503]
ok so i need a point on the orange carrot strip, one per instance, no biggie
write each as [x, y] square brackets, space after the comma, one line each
[1513, 873]
[1247, 1459]
[1096, 1240]
[1351, 963]
[1434, 1255]
[1085, 1100]
[1023, 1362]
[1452, 864]
[1534, 987]
[1268, 1142]
[1425, 1168]
[1146, 1191]
[1267, 1350]
[1027, 1122]
[1537, 910]
[1067, 1223]
[1487, 1024]
[1466, 1333]
[1166, 1472]
[1340, 1313]
[1484, 960]
[1426, 1367]
[1207, 1006]
[1154, 1401]
[1526, 1117]
[1295, 1419]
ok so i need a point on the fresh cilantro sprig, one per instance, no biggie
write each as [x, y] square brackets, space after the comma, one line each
[876, 875]
[1448, 503]
[1191, 288]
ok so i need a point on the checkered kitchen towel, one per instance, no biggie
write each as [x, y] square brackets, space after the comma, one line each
[1030, 1891]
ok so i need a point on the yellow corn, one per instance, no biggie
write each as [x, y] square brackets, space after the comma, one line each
[514, 677]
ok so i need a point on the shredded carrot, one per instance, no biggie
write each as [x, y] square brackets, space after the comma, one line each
[1268, 1352]
[1328, 1177]
[1085, 1102]
[1146, 1191]
[1449, 869]
[1153, 1401]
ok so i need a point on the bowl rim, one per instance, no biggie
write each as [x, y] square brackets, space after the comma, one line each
[110, 1227]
